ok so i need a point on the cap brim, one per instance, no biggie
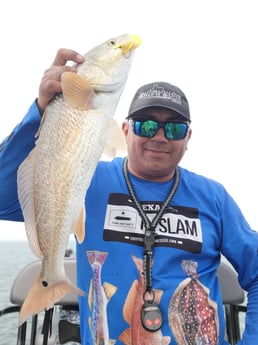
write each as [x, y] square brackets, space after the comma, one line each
[141, 109]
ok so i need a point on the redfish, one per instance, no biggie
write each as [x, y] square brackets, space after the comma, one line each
[54, 178]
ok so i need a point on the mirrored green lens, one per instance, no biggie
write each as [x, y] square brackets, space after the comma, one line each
[175, 131]
[149, 128]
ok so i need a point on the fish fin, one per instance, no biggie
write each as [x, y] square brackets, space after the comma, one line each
[78, 92]
[109, 289]
[125, 337]
[115, 140]
[158, 295]
[25, 194]
[95, 256]
[138, 263]
[79, 228]
[190, 268]
[130, 302]
[166, 340]
[40, 298]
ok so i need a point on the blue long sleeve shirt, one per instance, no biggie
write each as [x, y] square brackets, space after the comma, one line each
[201, 222]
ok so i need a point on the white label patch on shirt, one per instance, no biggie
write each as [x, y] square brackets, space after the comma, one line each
[179, 226]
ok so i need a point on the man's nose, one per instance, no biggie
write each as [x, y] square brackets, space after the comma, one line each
[160, 135]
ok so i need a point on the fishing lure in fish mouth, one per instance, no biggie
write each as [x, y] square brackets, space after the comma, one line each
[133, 44]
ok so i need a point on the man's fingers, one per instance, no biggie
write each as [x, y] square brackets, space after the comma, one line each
[55, 72]
[51, 81]
[64, 55]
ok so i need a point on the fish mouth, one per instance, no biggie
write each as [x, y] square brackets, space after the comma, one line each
[125, 46]
[133, 43]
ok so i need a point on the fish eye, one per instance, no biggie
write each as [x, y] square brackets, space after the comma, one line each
[112, 42]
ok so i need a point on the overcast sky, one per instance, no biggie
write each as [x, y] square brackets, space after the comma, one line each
[207, 48]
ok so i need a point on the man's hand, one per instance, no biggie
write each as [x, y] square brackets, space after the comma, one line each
[51, 81]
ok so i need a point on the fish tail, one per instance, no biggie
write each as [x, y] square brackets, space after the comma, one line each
[190, 268]
[95, 256]
[40, 297]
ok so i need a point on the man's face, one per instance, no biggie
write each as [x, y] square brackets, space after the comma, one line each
[154, 158]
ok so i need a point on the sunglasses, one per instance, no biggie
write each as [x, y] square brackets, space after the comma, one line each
[149, 128]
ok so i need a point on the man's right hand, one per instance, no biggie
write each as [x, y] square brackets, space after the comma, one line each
[51, 81]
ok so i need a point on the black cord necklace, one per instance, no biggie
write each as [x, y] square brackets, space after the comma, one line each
[151, 314]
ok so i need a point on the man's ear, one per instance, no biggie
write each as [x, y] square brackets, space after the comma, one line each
[125, 128]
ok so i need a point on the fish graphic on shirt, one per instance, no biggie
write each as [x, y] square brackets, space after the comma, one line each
[192, 314]
[136, 334]
[99, 297]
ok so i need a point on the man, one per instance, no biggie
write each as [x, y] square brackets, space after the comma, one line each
[155, 232]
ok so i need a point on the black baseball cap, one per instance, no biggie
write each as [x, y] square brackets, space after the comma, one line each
[160, 94]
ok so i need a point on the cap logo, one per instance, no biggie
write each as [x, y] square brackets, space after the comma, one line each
[161, 92]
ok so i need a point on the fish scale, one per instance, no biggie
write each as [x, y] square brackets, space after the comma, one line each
[54, 178]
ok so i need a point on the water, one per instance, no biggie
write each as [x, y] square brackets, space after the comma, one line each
[14, 256]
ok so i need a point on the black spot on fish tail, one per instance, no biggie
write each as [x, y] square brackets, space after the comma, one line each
[44, 283]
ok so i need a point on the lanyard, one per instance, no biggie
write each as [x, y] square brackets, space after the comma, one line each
[149, 236]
